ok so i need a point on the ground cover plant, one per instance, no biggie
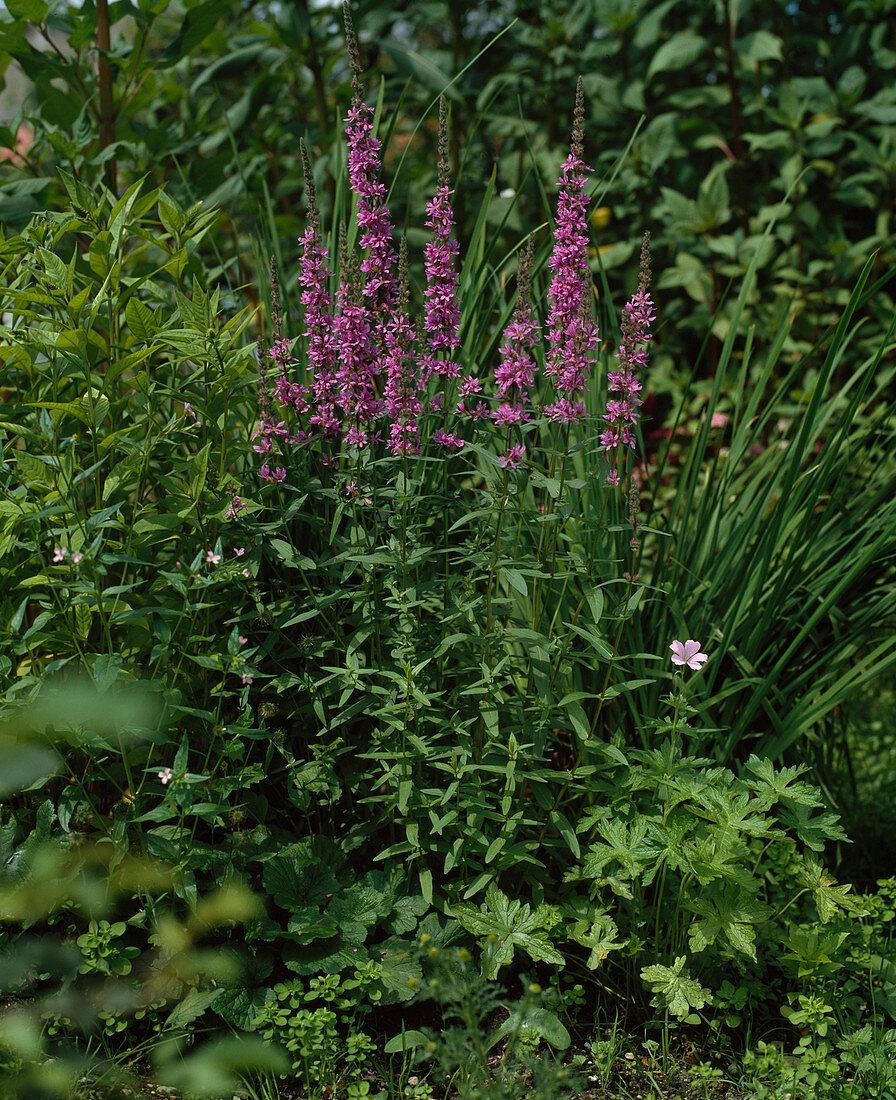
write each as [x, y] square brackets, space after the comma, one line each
[399, 709]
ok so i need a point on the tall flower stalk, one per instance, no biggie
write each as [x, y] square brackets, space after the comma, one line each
[623, 412]
[572, 334]
[374, 219]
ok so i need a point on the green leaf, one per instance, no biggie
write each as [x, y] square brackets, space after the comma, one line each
[759, 46]
[729, 911]
[781, 784]
[515, 579]
[599, 934]
[830, 898]
[35, 11]
[681, 51]
[32, 469]
[198, 24]
[192, 1007]
[197, 471]
[535, 1023]
[407, 1040]
[508, 925]
[674, 989]
[60, 408]
[141, 319]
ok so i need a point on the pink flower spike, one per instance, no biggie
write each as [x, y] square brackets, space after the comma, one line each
[688, 653]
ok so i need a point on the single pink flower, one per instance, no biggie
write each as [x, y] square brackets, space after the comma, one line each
[688, 653]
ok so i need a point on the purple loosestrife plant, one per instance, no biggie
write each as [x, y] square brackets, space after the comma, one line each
[572, 335]
[402, 397]
[622, 413]
[441, 320]
[318, 310]
[374, 220]
[441, 309]
[515, 372]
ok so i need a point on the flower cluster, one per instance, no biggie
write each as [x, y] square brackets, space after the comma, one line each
[375, 379]
[572, 335]
[442, 310]
[622, 412]
[374, 220]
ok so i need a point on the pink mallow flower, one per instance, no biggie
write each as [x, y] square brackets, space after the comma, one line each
[688, 653]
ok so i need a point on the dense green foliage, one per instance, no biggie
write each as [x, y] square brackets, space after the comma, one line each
[351, 730]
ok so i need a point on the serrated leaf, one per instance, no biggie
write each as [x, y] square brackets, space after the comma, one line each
[141, 319]
[239, 1007]
[32, 469]
[192, 1007]
[600, 935]
[730, 912]
[83, 619]
[507, 925]
[401, 971]
[674, 989]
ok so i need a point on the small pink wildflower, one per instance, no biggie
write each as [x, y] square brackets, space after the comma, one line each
[688, 653]
[165, 775]
[77, 556]
[241, 639]
[247, 677]
[447, 440]
[514, 456]
[212, 558]
[59, 553]
[240, 550]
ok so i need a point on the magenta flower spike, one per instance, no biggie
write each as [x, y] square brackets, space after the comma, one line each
[623, 413]
[319, 326]
[402, 395]
[374, 220]
[441, 307]
[515, 372]
[572, 335]
[688, 653]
